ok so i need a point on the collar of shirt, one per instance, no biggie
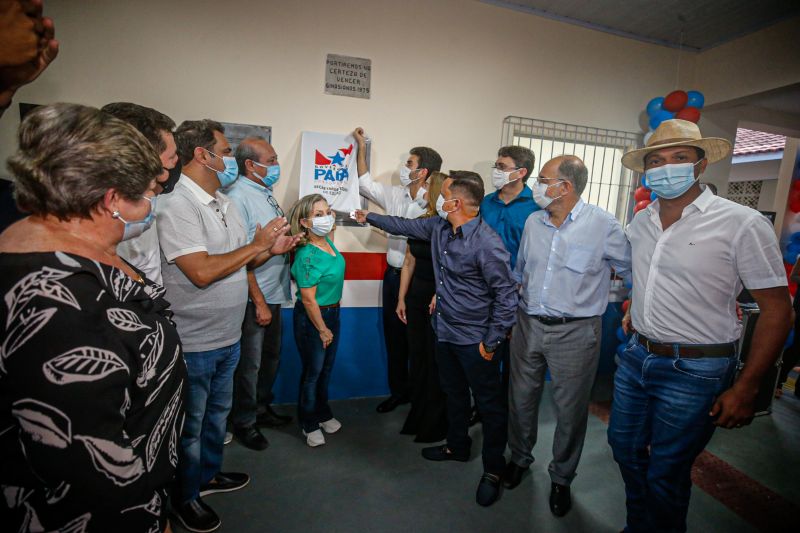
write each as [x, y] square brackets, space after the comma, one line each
[253, 185]
[465, 230]
[573, 215]
[202, 196]
[701, 204]
[526, 194]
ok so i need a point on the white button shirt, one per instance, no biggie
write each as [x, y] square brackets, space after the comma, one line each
[395, 201]
[686, 279]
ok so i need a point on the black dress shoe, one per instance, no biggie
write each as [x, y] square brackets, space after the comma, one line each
[271, 419]
[390, 404]
[488, 489]
[513, 475]
[441, 453]
[197, 516]
[560, 500]
[225, 482]
[474, 417]
[251, 437]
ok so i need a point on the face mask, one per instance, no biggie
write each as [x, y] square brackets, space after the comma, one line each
[540, 196]
[272, 176]
[500, 178]
[440, 206]
[135, 228]
[405, 176]
[671, 181]
[231, 172]
[420, 198]
[172, 180]
[322, 225]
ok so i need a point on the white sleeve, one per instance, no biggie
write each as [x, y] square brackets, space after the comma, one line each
[757, 255]
[375, 192]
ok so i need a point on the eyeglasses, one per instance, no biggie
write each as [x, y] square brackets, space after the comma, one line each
[274, 203]
[503, 168]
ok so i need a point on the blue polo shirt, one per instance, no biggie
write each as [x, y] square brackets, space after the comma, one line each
[508, 220]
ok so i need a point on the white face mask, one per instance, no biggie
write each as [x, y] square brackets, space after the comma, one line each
[540, 196]
[501, 178]
[440, 206]
[322, 225]
[405, 176]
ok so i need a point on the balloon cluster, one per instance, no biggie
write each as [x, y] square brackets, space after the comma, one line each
[685, 105]
[792, 247]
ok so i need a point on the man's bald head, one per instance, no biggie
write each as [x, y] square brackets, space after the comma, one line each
[254, 149]
[568, 168]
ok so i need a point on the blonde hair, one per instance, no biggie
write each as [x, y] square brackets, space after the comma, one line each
[434, 190]
[303, 209]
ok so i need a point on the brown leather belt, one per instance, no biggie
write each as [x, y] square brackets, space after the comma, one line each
[690, 351]
[329, 306]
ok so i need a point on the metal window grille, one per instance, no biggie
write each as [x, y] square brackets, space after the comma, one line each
[610, 185]
[745, 192]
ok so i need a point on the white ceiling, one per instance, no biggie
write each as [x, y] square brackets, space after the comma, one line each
[690, 24]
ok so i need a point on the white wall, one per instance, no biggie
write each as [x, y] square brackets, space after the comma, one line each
[445, 73]
[756, 170]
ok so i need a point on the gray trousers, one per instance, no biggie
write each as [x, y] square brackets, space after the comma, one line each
[258, 366]
[571, 351]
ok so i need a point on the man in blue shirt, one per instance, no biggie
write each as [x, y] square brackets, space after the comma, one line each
[476, 298]
[565, 259]
[268, 288]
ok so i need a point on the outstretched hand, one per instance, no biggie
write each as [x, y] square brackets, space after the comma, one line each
[360, 216]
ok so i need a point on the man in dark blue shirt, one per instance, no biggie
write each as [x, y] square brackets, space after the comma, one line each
[476, 301]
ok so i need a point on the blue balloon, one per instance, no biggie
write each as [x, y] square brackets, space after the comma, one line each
[621, 335]
[790, 257]
[659, 117]
[653, 196]
[789, 339]
[696, 99]
[621, 348]
[628, 284]
[654, 105]
[644, 182]
[795, 238]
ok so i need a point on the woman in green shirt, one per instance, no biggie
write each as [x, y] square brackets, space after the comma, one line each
[318, 269]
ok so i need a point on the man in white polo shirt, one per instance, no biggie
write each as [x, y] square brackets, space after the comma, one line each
[692, 254]
[204, 253]
[407, 201]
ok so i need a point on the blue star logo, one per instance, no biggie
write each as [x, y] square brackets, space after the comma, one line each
[337, 159]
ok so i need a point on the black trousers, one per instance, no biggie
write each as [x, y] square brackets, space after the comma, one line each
[394, 334]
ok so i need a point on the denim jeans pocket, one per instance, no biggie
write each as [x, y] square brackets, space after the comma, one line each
[706, 368]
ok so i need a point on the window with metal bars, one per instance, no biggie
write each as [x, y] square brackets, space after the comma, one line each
[610, 185]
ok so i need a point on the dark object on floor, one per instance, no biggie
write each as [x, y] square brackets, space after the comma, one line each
[270, 419]
[225, 482]
[390, 404]
[560, 499]
[251, 437]
[441, 453]
[488, 489]
[513, 475]
[196, 516]
[474, 418]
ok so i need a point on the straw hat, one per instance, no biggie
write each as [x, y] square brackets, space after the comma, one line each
[676, 132]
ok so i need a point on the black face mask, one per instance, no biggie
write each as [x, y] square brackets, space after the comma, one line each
[174, 175]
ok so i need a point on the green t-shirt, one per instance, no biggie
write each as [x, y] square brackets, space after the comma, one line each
[313, 266]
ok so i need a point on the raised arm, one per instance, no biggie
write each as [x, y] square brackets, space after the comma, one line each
[419, 228]
[375, 192]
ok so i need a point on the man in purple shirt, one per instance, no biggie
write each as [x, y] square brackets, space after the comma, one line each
[476, 300]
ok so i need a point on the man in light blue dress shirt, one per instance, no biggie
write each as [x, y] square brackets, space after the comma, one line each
[565, 260]
[268, 288]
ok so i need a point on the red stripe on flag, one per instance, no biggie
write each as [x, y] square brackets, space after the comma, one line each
[364, 265]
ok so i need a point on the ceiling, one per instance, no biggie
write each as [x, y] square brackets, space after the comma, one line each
[690, 24]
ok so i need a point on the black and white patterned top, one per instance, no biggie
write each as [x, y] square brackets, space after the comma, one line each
[92, 381]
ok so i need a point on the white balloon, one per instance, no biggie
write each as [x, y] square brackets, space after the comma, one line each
[647, 136]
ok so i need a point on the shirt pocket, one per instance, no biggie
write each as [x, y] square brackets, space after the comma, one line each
[580, 259]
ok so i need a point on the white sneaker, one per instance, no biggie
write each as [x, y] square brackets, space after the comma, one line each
[228, 437]
[315, 438]
[331, 426]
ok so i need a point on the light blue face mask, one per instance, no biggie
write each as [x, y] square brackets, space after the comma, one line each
[272, 176]
[135, 228]
[671, 181]
[231, 172]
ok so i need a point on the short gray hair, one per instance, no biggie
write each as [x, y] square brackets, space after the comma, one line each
[70, 155]
[245, 151]
[574, 171]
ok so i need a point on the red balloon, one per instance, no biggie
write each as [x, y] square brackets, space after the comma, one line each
[794, 201]
[640, 205]
[625, 305]
[796, 185]
[675, 101]
[641, 193]
[692, 114]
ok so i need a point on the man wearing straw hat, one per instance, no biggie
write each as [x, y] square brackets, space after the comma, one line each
[692, 254]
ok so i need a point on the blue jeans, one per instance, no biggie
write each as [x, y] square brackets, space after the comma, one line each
[317, 364]
[659, 425]
[210, 379]
[462, 368]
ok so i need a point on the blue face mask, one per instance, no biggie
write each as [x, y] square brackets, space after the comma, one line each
[135, 228]
[671, 181]
[272, 176]
[231, 172]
